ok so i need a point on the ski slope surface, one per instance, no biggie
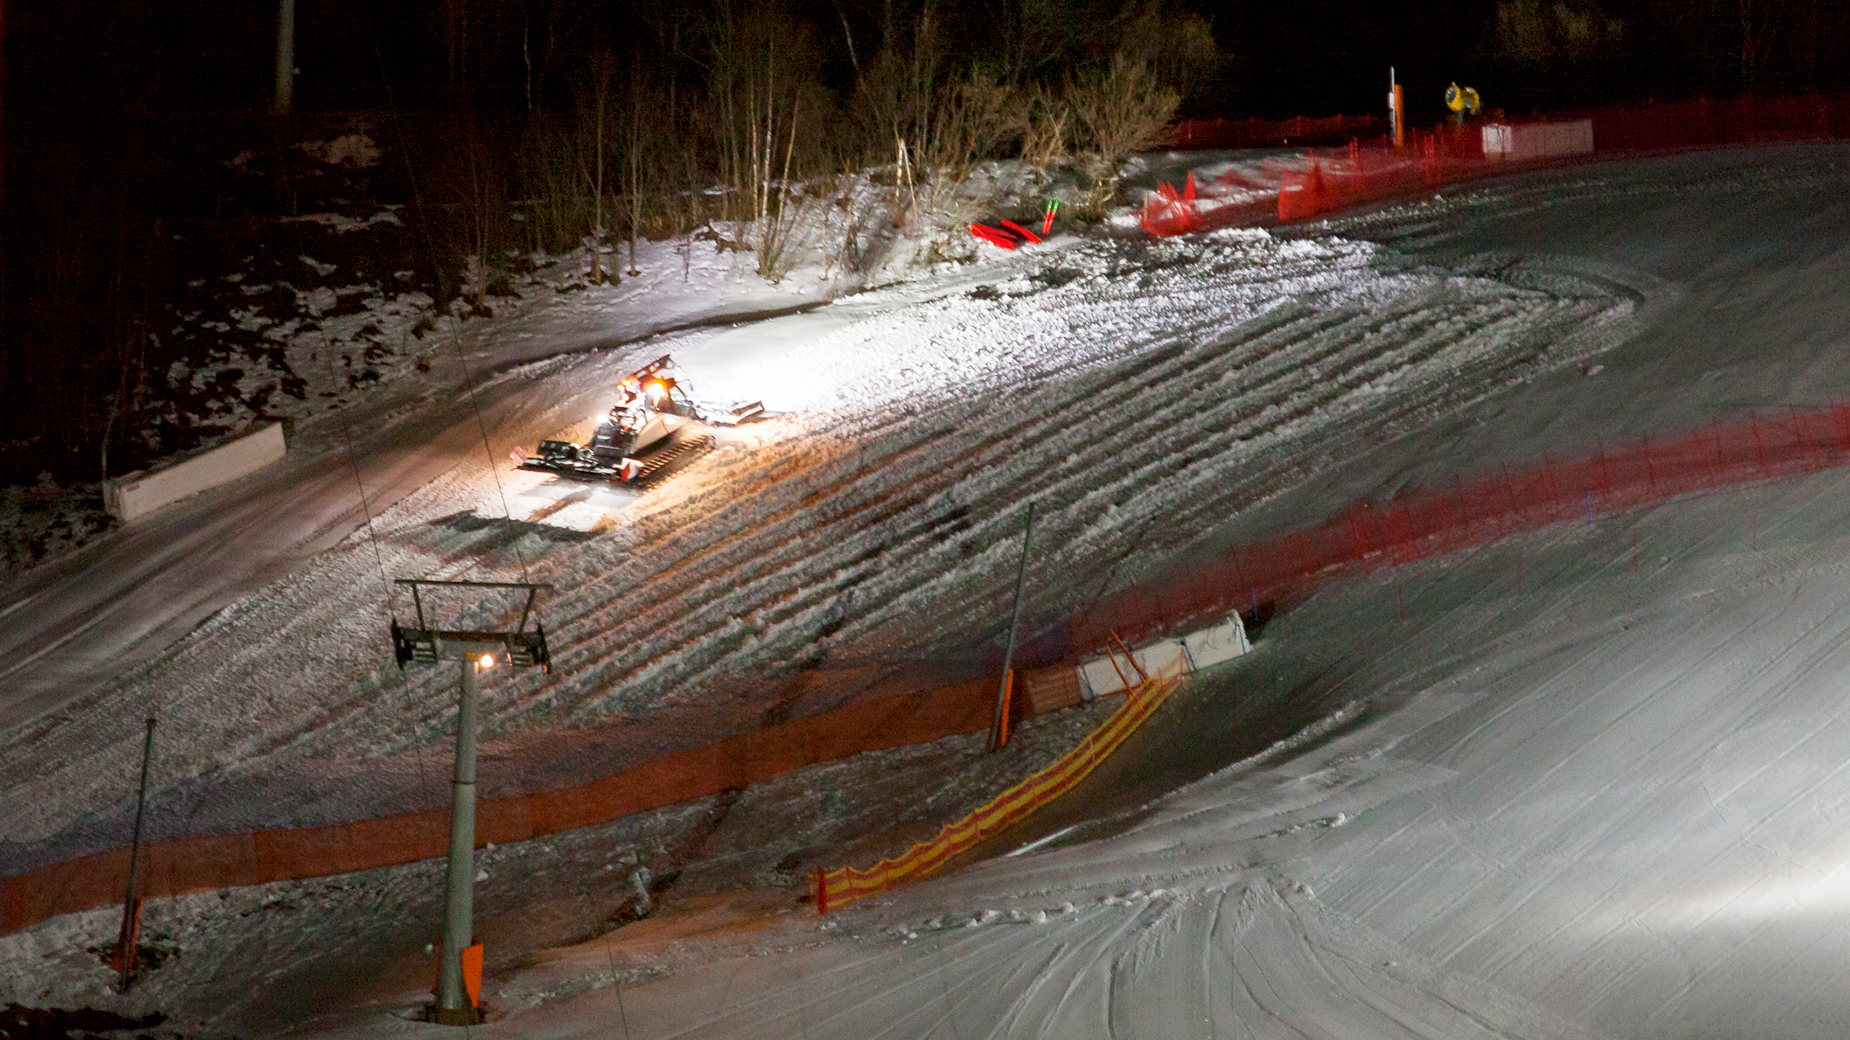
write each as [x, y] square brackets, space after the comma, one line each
[1588, 781]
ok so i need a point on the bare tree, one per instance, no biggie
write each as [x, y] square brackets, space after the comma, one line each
[1116, 111]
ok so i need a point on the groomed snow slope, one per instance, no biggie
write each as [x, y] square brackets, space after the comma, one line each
[1577, 792]
[1565, 797]
[1612, 803]
[1138, 393]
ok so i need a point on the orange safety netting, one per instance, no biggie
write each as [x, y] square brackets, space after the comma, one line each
[1369, 169]
[846, 884]
[1475, 511]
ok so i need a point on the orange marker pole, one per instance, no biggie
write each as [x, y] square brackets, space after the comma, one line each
[996, 726]
[1002, 717]
[1141, 677]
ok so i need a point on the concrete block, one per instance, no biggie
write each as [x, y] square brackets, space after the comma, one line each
[1223, 642]
[1537, 140]
[1097, 677]
[138, 494]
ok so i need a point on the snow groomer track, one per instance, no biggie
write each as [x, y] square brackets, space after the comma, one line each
[1138, 393]
[1580, 781]
[907, 536]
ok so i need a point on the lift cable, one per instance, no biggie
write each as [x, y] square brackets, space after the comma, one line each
[430, 247]
[353, 462]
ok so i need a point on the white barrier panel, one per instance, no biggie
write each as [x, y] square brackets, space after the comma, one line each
[1097, 678]
[1223, 642]
[1537, 140]
[1200, 649]
[139, 494]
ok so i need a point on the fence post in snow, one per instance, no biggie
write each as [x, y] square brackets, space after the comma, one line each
[1605, 475]
[1554, 485]
[131, 903]
[996, 733]
[1798, 433]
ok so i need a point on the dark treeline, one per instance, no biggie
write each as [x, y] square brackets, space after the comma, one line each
[506, 125]
[1526, 55]
[535, 124]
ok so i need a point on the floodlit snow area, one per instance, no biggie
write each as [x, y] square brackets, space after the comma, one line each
[1136, 391]
[1612, 802]
[1592, 784]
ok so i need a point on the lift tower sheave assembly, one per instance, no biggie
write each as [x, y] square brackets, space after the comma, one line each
[459, 972]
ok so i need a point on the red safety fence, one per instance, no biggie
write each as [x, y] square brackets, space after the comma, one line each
[1369, 170]
[198, 863]
[1424, 523]
[1474, 512]
[1684, 124]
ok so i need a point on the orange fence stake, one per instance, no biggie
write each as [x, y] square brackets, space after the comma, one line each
[1000, 739]
[1128, 657]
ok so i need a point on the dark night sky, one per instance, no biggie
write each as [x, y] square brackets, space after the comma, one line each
[1286, 58]
[1289, 58]
[118, 116]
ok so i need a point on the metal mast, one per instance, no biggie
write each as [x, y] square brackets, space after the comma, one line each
[459, 973]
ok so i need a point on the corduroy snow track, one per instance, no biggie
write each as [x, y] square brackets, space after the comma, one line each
[1140, 394]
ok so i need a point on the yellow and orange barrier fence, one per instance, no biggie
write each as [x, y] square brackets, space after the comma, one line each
[845, 884]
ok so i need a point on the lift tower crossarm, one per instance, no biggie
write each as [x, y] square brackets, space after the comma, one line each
[426, 645]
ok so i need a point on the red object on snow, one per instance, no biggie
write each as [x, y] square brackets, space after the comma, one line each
[994, 236]
[1022, 231]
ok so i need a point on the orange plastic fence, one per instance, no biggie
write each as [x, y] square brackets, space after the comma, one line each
[201, 863]
[1369, 169]
[1425, 523]
[846, 884]
[1477, 511]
